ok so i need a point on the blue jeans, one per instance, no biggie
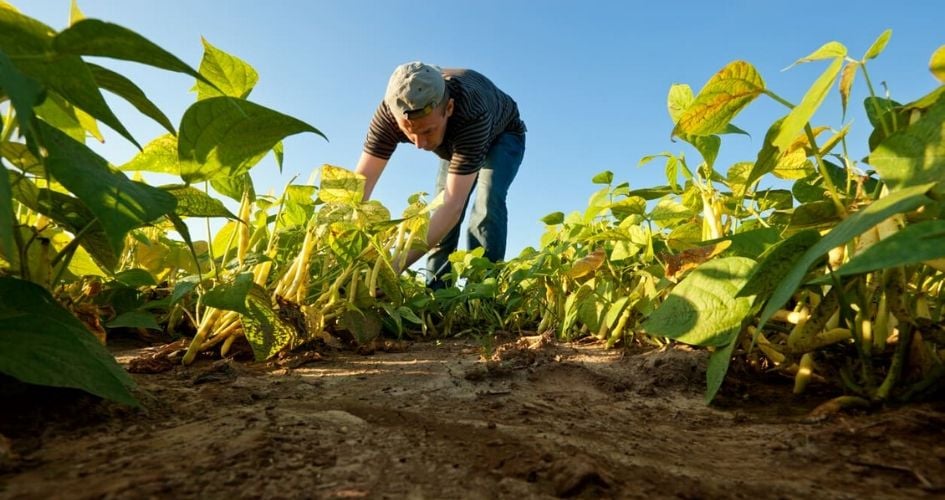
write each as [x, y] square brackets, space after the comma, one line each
[488, 222]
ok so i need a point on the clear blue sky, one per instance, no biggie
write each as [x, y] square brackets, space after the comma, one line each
[590, 77]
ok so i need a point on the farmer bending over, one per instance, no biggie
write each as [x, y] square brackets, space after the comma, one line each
[475, 129]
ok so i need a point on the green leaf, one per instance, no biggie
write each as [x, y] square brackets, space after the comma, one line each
[23, 92]
[339, 185]
[829, 50]
[752, 243]
[912, 244]
[900, 201]
[231, 296]
[652, 193]
[814, 215]
[119, 203]
[71, 78]
[632, 205]
[703, 309]
[183, 288]
[878, 110]
[722, 97]
[878, 45]
[615, 311]
[554, 218]
[42, 343]
[126, 89]
[192, 202]
[812, 188]
[768, 156]
[92, 37]
[707, 145]
[7, 219]
[605, 177]
[184, 232]
[234, 187]
[21, 34]
[225, 137]
[778, 199]
[732, 129]
[795, 121]
[135, 319]
[668, 212]
[717, 369]
[364, 326]
[30, 43]
[266, 332]
[135, 278]
[231, 75]
[916, 154]
[278, 151]
[298, 206]
[775, 264]
[408, 314]
[937, 63]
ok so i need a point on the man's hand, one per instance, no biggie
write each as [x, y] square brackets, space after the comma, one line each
[445, 217]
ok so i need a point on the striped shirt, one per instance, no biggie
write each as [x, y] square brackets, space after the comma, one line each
[481, 112]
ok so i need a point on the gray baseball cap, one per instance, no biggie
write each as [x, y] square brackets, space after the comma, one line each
[414, 90]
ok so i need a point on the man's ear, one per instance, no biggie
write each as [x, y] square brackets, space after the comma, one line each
[449, 108]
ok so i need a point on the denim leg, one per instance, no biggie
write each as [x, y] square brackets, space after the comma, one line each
[438, 262]
[488, 222]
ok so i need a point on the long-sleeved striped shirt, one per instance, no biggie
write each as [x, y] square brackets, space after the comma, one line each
[481, 112]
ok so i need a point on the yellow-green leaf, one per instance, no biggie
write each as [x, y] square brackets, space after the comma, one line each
[722, 97]
[266, 332]
[829, 50]
[678, 101]
[232, 76]
[846, 83]
[192, 202]
[339, 185]
[878, 45]
[937, 64]
[159, 155]
[75, 14]
[795, 121]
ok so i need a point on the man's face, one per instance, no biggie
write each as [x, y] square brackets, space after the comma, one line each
[427, 132]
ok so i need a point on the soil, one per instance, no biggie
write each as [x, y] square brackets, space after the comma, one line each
[538, 419]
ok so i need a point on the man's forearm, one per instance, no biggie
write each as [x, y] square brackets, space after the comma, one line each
[371, 168]
[441, 222]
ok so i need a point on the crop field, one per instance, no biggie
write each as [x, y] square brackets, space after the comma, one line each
[708, 337]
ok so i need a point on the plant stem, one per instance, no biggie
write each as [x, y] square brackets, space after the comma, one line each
[778, 99]
[879, 116]
[831, 188]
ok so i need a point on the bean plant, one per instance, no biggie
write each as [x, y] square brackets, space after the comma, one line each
[809, 260]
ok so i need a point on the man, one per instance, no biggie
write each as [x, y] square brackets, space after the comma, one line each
[475, 129]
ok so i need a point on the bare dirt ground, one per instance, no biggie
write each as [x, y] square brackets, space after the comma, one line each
[540, 420]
